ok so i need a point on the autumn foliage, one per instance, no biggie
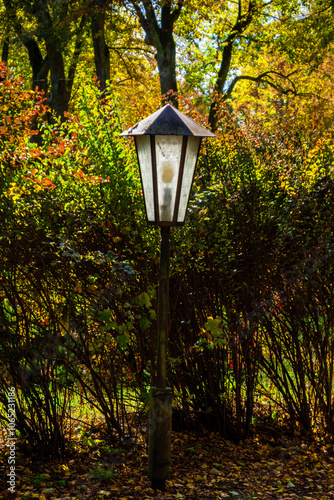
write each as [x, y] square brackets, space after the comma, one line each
[251, 322]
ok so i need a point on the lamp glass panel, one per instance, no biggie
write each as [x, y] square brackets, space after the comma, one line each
[168, 155]
[143, 144]
[188, 174]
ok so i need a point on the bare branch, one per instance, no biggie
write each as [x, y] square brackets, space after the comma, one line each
[141, 17]
[264, 78]
[177, 11]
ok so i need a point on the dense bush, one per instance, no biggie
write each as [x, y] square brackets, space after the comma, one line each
[259, 231]
[72, 289]
[251, 272]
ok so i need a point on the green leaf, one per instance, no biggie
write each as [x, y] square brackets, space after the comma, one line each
[105, 315]
[122, 340]
[153, 314]
[212, 323]
[144, 300]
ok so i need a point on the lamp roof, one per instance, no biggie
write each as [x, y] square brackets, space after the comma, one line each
[168, 121]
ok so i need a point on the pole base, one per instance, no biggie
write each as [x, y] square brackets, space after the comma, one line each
[158, 484]
[159, 437]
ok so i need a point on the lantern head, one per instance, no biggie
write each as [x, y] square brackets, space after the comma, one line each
[167, 144]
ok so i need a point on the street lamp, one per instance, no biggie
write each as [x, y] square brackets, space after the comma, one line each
[167, 144]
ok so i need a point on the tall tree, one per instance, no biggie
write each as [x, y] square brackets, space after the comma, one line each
[231, 42]
[45, 27]
[101, 49]
[158, 20]
[56, 42]
[243, 19]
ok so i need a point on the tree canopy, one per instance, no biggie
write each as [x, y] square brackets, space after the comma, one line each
[207, 51]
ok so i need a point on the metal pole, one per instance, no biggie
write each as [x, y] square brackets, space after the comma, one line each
[160, 418]
[162, 333]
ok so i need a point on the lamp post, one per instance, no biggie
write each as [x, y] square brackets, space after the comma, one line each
[167, 144]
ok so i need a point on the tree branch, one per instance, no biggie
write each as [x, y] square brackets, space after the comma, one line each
[262, 78]
[150, 15]
[240, 25]
[177, 11]
[148, 22]
[77, 50]
[142, 19]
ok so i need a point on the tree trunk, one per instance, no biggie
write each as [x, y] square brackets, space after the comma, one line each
[62, 84]
[241, 24]
[59, 96]
[51, 25]
[160, 36]
[101, 51]
[165, 57]
[39, 65]
[220, 82]
[5, 50]
[4, 54]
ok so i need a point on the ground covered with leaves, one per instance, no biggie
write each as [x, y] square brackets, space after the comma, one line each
[204, 466]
